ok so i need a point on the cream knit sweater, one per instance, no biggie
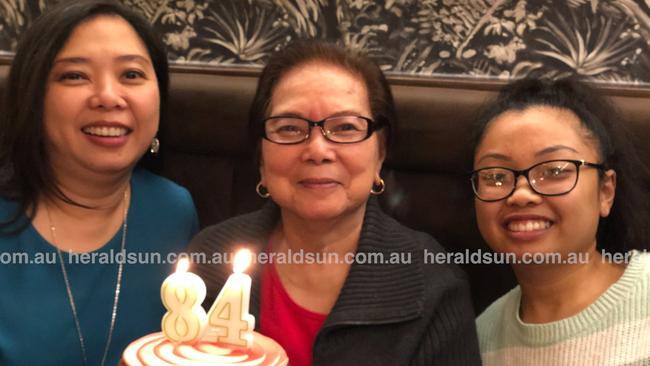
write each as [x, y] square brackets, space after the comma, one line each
[614, 330]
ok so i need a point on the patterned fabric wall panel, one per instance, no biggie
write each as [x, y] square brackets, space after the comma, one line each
[607, 40]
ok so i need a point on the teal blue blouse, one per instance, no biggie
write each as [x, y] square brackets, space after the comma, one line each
[36, 322]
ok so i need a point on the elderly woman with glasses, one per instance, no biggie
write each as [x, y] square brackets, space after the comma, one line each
[549, 161]
[321, 121]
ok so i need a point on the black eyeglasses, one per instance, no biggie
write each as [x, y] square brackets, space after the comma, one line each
[548, 178]
[289, 130]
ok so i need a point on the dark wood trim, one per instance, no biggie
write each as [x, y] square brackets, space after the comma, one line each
[494, 84]
[5, 59]
[436, 81]
[446, 81]
[207, 69]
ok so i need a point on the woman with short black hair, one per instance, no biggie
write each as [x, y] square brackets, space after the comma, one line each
[320, 121]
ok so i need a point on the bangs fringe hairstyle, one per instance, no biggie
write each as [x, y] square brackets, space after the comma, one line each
[302, 52]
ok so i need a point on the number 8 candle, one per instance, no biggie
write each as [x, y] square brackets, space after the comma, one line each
[228, 316]
[182, 294]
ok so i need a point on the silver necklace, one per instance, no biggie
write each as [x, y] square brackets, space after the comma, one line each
[118, 285]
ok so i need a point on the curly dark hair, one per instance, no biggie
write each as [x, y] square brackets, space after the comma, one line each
[626, 227]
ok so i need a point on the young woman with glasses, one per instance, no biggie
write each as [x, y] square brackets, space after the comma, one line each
[320, 121]
[557, 185]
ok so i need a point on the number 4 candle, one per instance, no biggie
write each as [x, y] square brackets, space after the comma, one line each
[229, 315]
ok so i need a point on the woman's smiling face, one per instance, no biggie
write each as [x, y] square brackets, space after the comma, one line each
[102, 103]
[318, 179]
[526, 221]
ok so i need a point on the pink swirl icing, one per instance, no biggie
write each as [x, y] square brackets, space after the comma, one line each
[155, 349]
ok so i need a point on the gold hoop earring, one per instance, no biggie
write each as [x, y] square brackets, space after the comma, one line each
[155, 146]
[378, 188]
[259, 187]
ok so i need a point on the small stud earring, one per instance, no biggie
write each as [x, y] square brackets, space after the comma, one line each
[155, 146]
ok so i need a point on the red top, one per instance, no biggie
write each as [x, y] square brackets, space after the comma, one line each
[288, 323]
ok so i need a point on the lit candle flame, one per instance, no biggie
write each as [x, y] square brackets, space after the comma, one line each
[243, 259]
[183, 265]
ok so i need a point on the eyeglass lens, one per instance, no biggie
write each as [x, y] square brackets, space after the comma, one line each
[344, 129]
[548, 178]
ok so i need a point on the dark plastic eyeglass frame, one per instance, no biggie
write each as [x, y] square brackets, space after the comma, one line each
[525, 172]
[372, 127]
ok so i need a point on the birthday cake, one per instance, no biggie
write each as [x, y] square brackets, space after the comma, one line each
[156, 349]
[190, 337]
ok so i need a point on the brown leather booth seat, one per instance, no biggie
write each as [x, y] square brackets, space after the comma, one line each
[205, 149]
